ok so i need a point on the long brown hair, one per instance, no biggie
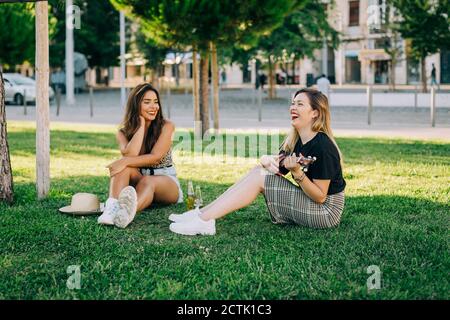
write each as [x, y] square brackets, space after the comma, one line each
[131, 121]
[319, 102]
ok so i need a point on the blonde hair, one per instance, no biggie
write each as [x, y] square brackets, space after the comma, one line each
[319, 102]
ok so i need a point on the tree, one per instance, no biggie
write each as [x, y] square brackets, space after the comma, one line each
[301, 33]
[196, 24]
[154, 54]
[383, 20]
[6, 179]
[426, 24]
[17, 44]
[393, 48]
[98, 37]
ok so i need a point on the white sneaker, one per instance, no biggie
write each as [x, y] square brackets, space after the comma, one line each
[128, 205]
[188, 215]
[111, 209]
[194, 226]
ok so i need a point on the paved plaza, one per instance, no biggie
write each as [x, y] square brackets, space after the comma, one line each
[393, 114]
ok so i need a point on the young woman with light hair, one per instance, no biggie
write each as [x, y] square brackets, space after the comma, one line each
[317, 198]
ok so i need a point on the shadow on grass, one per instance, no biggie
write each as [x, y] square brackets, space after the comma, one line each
[249, 258]
[406, 209]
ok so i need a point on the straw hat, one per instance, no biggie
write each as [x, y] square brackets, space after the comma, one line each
[83, 204]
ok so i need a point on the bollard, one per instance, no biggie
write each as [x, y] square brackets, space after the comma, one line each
[415, 98]
[58, 99]
[25, 102]
[369, 104]
[254, 90]
[91, 100]
[259, 103]
[433, 106]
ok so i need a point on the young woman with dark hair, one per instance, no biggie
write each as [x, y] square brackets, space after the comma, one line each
[145, 173]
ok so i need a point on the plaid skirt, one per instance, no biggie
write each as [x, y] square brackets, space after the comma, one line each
[287, 203]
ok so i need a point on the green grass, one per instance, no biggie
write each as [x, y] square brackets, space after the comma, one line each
[396, 217]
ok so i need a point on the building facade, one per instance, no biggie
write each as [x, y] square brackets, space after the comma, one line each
[361, 58]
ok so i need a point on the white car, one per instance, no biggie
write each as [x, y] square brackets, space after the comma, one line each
[17, 85]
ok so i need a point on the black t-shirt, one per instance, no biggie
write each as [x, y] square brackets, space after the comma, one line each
[327, 165]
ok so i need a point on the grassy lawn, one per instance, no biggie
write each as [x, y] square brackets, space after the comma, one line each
[396, 217]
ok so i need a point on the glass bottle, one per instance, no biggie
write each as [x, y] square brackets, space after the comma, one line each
[190, 199]
[198, 197]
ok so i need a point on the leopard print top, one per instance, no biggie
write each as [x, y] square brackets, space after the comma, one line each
[166, 161]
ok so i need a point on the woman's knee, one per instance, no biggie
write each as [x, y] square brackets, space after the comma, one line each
[147, 182]
[258, 173]
[126, 172]
[258, 170]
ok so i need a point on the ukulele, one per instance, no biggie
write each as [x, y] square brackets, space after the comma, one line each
[304, 161]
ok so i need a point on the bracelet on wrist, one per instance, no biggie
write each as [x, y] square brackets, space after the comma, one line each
[301, 178]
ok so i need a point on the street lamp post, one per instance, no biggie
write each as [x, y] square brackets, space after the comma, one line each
[70, 96]
[122, 60]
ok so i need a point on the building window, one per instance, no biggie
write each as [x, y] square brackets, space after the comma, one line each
[353, 13]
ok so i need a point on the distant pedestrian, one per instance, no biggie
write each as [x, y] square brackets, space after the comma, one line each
[433, 76]
[323, 85]
[262, 80]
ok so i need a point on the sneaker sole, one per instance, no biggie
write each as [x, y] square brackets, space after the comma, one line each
[105, 223]
[128, 202]
[191, 233]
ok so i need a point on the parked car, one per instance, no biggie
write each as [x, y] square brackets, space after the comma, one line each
[80, 64]
[16, 85]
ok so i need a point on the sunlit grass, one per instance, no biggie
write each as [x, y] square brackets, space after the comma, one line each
[396, 217]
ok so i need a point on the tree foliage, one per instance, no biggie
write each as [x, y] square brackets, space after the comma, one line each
[97, 38]
[425, 25]
[17, 36]
[175, 23]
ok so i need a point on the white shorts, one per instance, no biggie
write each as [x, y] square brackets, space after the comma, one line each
[166, 171]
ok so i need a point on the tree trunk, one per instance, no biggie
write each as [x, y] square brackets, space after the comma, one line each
[215, 82]
[272, 91]
[177, 72]
[423, 74]
[154, 78]
[204, 88]
[6, 180]
[287, 73]
[392, 71]
[293, 71]
[196, 94]
[42, 102]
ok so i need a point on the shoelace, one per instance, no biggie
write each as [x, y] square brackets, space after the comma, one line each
[114, 208]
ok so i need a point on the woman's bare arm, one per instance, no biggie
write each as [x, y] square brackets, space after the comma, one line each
[133, 147]
[159, 150]
[316, 189]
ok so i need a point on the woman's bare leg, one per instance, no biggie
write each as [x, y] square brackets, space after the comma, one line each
[229, 189]
[156, 188]
[237, 197]
[128, 176]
